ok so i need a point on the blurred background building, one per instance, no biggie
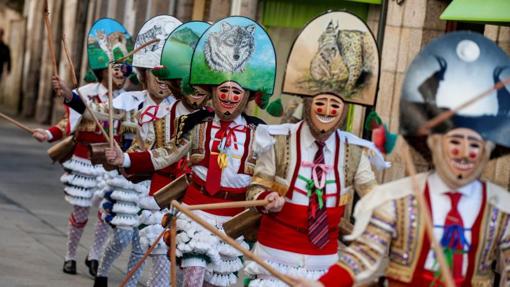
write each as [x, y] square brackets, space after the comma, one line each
[401, 27]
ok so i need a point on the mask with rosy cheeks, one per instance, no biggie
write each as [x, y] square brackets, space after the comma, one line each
[229, 100]
[157, 89]
[118, 77]
[459, 156]
[324, 114]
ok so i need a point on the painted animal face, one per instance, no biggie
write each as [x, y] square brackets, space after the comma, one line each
[230, 49]
[325, 114]
[229, 100]
[459, 156]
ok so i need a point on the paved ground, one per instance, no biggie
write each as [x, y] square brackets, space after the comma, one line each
[33, 217]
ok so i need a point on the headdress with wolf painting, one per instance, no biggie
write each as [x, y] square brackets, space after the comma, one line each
[177, 52]
[235, 49]
[159, 28]
[335, 53]
[448, 72]
[107, 41]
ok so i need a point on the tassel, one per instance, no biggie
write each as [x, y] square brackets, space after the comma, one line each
[453, 236]
[448, 254]
[262, 100]
[222, 160]
[381, 137]
[319, 193]
[275, 108]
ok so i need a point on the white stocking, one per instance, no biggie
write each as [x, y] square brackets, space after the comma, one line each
[100, 236]
[77, 221]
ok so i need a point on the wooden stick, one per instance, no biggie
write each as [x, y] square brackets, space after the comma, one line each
[110, 103]
[233, 243]
[47, 23]
[173, 249]
[429, 227]
[74, 79]
[235, 204]
[426, 127]
[87, 107]
[153, 41]
[16, 123]
[140, 262]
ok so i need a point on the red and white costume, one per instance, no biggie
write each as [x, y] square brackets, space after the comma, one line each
[389, 221]
[285, 155]
[195, 245]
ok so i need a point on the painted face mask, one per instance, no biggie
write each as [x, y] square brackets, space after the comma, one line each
[459, 156]
[175, 88]
[198, 98]
[119, 78]
[229, 100]
[157, 89]
[324, 113]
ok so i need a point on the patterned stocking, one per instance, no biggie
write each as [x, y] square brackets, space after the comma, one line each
[77, 220]
[194, 276]
[160, 273]
[100, 236]
[136, 254]
[118, 242]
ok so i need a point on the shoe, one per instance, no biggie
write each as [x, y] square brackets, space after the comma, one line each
[92, 265]
[69, 267]
[101, 281]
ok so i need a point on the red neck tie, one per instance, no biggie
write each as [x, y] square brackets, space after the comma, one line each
[213, 179]
[453, 234]
[318, 217]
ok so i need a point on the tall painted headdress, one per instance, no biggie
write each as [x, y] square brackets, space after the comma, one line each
[175, 61]
[236, 49]
[450, 71]
[159, 28]
[107, 41]
[335, 53]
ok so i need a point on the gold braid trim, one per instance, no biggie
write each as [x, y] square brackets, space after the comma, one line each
[197, 139]
[159, 130]
[263, 180]
[398, 270]
[269, 184]
[282, 155]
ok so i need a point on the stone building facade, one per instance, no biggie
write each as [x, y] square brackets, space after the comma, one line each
[408, 26]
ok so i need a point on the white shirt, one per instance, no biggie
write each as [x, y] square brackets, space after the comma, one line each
[229, 175]
[308, 150]
[469, 207]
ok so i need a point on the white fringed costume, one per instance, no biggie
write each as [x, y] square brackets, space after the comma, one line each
[198, 247]
[195, 246]
[150, 224]
[80, 180]
[81, 177]
[120, 204]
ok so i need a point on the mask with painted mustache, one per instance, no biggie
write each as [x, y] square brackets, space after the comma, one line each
[324, 113]
[229, 100]
[459, 156]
